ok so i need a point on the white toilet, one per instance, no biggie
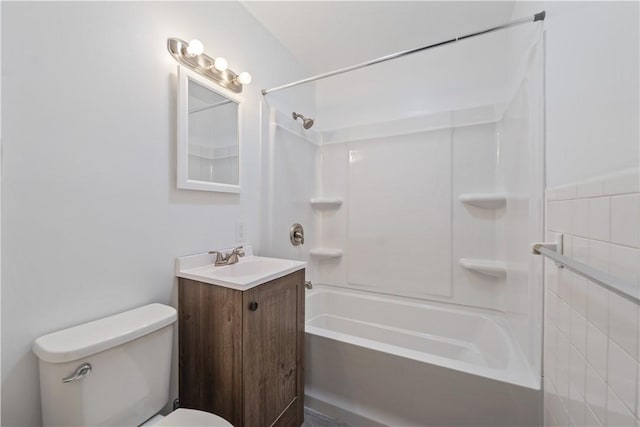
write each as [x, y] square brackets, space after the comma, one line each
[113, 371]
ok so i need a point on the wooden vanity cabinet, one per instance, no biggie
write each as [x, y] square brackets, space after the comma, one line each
[241, 353]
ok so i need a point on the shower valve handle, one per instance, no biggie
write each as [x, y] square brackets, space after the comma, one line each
[296, 234]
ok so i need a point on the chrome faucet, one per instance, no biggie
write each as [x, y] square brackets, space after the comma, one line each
[228, 258]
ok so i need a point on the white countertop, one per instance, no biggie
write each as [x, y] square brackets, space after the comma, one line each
[248, 272]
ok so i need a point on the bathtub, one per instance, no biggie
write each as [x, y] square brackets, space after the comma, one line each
[383, 360]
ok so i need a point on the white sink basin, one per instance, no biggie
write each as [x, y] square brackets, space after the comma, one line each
[248, 272]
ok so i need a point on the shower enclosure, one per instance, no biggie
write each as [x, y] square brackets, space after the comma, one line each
[420, 188]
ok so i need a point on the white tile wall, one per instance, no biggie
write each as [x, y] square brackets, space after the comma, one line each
[625, 211]
[592, 337]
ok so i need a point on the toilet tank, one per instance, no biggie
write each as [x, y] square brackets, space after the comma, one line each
[130, 358]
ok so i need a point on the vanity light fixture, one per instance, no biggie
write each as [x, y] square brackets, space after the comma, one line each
[192, 56]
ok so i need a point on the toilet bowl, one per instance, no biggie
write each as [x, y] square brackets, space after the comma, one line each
[113, 371]
[187, 417]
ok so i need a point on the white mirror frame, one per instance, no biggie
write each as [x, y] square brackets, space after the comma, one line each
[183, 182]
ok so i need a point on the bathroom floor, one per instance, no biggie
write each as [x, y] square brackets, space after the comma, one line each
[316, 419]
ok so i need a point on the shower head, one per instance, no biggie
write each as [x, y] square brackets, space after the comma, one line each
[306, 123]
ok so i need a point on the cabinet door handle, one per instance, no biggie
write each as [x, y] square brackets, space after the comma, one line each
[253, 306]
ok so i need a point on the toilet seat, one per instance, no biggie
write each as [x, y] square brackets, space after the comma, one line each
[191, 417]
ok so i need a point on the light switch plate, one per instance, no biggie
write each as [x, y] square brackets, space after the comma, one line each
[241, 232]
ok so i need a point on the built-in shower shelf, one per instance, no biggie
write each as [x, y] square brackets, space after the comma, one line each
[325, 203]
[485, 266]
[484, 200]
[325, 253]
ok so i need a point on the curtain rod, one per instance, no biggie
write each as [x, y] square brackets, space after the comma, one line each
[537, 17]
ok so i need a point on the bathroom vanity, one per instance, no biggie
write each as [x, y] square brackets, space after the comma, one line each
[241, 340]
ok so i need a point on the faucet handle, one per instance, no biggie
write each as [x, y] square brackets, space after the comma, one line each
[239, 251]
[219, 255]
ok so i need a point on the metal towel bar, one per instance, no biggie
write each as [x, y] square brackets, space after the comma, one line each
[614, 284]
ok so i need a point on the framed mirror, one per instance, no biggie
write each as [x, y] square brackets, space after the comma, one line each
[208, 135]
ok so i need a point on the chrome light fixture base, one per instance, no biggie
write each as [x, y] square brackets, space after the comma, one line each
[203, 64]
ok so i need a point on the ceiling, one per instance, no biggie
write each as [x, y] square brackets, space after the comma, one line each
[325, 35]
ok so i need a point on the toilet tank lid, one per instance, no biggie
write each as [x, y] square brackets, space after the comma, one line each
[90, 338]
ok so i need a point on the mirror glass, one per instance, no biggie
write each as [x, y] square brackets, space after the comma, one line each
[208, 143]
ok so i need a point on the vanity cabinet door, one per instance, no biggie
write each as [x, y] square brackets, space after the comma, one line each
[273, 352]
[210, 349]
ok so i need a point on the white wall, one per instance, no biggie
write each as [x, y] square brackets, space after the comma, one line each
[91, 218]
[591, 87]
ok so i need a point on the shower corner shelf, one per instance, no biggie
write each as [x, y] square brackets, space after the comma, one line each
[485, 266]
[484, 200]
[325, 253]
[325, 202]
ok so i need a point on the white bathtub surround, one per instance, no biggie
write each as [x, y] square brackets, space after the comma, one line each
[443, 213]
[434, 356]
[402, 219]
[399, 214]
[430, 204]
[592, 336]
[290, 163]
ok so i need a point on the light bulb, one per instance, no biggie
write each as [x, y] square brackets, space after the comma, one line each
[244, 78]
[220, 64]
[195, 47]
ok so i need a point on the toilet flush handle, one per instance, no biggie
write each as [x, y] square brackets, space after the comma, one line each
[80, 372]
